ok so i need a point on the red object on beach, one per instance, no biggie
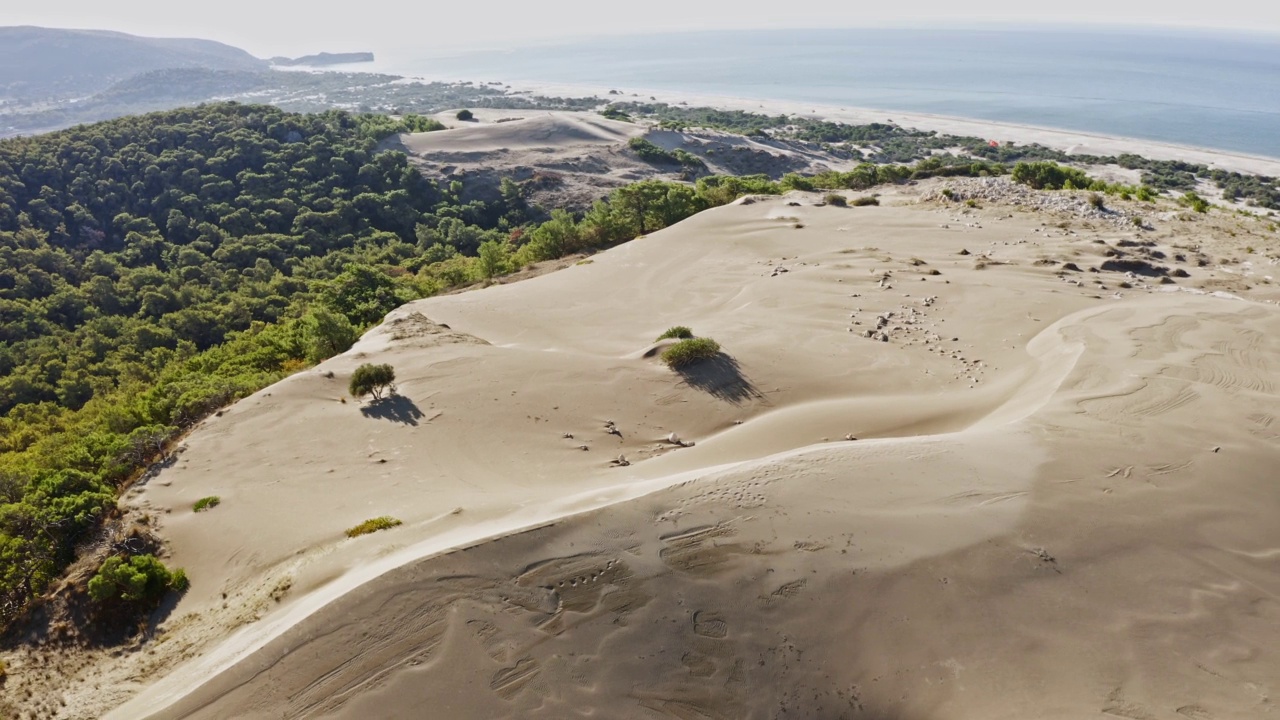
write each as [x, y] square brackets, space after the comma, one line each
[993, 143]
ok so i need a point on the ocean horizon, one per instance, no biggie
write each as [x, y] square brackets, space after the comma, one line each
[1209, 89]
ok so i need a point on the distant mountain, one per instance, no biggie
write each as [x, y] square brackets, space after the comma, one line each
[37, 63]
[324, 58]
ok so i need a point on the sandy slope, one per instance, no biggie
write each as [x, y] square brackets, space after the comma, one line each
[1061, 501]
[539, 131]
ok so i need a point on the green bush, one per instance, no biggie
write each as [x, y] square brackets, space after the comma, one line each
[1097, 202]
[385, 522]
[646, 150]
[1195, 202]
[466, 115]
[370, 379]
[207, 503]
[614, 113]
[679, 332]
[136, 580]
[836, 199]
[865, 200]
[690, 351]
[1050, 176]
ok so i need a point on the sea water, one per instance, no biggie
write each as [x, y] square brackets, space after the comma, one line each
[1208, 89]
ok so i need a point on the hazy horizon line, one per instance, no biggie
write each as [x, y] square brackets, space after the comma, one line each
[1100, 28]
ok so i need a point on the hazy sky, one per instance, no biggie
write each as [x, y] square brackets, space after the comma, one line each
[270, 27]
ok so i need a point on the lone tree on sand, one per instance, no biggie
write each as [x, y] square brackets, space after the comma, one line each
[370, 379]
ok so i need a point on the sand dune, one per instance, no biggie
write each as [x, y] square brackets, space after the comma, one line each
[1060, 501]
[538, 130]
[572, 159]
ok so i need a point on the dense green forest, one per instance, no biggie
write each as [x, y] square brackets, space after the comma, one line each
[156, 268]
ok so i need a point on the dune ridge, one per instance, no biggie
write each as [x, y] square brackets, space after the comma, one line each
[1044, 492]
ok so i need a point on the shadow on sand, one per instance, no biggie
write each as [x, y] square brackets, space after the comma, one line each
[721, 377]
[396, 408]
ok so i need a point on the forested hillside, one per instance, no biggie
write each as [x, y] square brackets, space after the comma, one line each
[156, 268]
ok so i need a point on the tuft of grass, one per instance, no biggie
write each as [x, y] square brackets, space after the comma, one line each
[206, 503]
[690, 351]
[386, 522]
[679, 332]
[972, 203]
[865, 201]
[836, 199]
[948, 193]
[178, 581]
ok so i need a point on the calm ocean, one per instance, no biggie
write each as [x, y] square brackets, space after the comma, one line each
[1214, 90]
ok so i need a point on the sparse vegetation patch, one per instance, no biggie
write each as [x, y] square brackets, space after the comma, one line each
[206, 503]
[679, 332]
[373, 525]
[687, 352]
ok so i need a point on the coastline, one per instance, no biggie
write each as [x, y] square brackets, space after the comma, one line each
[1070, 141]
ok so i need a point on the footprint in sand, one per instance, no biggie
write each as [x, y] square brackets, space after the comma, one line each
[710, 625]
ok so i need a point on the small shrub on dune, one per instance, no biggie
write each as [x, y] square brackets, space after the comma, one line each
[687, 352]
[385, 522]
[207, 503]
[466, 115]
[679, 332]
[865, 201]
[139, 580]
[837, 200]
[370, 379]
